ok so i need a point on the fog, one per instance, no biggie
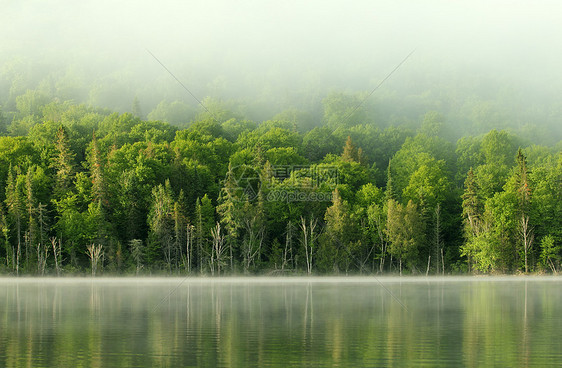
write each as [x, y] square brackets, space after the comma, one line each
[279, 55]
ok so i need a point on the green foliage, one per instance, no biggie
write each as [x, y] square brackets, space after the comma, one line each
[176, 113]
[404, 228]
[428, 185]
[229, 194]
[319, 142]
[550, 254]
[342, 109]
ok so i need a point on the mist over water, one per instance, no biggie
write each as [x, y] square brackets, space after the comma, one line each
[280, 321]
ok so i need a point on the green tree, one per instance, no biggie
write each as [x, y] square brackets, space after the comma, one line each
[428, 185]
[525, 228]
[254, 232]
[5, 231]
[550, 254]
[319, 142]
[63, 163]
[161, 223]
[231, 203]
[204, 222]
[343, 109]
[349, 151]
[176, 113]
[31, 207]
[334, 253]
[16, 210]
[404, 228]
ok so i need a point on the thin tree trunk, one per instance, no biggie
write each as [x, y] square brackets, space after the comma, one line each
[18, 253]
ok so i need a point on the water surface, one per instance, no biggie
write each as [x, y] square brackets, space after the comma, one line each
[333, 322]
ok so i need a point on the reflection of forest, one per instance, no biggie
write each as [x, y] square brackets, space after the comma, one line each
[241, 323]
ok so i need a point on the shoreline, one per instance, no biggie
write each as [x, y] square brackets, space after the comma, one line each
[275, 279]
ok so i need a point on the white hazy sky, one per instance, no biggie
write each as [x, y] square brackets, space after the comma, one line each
[520, 38]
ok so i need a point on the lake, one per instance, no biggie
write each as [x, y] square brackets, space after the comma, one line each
[281, 322]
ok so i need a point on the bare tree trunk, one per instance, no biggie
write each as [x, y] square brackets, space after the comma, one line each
[188, 247]
[218, 249]
[95, 252]
[251, 245]
[288, 245]
[428, 263]
[552, 267]
[437, 236]
[308, 241]
[18, 252]
[42, 254]
[56, 253]
[527, 237]
[380, 233]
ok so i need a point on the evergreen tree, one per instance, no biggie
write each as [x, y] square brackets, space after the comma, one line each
[99, 193]
[471, 203]
[204, 222]
[63, 163]
[389, 192]
[16, 210]
[230, 209]
[31, 209]
[349, 151]
[5, 233]
[335, 252]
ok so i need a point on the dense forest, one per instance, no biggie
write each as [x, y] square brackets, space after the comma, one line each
[90, 190]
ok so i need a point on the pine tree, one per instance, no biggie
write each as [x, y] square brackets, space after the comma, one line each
[230, 212]
[5, 231]
[204, 222]
[349, 151]
[335, 247]
[99, 208]
[471, 204]
[16, 209]
[97, 177]
[389, 192]
[63, 163]
[31, 209]
[137, 252]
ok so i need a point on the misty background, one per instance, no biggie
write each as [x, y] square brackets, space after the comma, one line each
[480, 64]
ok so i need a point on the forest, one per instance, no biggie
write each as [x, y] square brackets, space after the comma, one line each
[88, 190]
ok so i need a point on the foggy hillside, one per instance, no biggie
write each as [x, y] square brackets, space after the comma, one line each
[482, 65]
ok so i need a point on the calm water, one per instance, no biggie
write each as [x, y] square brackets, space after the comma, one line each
[512, 322]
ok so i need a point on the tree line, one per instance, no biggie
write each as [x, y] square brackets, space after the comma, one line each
[88, 190]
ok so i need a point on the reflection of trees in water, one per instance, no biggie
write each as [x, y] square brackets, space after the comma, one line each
[240, 323]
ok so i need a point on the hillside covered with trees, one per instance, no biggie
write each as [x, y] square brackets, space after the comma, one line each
[86, 189]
